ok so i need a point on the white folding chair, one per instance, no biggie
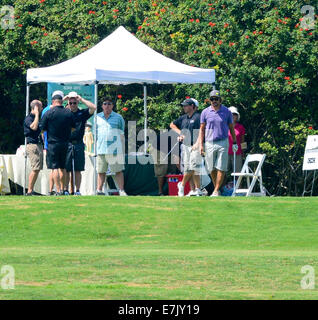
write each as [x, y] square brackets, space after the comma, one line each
[249, 174]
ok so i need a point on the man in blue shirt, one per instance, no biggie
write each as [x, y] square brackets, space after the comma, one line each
[110, 131]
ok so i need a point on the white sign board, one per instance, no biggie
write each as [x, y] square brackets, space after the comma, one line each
[311, 154]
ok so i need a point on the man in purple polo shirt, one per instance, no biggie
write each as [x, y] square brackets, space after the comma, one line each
[216, 120]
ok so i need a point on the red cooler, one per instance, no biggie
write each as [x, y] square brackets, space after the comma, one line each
[173, 180]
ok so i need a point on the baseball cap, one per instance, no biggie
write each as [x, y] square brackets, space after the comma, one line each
[58, 95]
[215, 93]
[72, 94]
[187, 102]
[234, 111]
[195, 102]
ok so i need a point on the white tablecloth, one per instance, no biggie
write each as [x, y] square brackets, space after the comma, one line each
[12, 167]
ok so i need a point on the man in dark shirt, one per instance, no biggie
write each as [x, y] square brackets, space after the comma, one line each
[76, 147]
[58, 122]
[187, 126]
[34, 147]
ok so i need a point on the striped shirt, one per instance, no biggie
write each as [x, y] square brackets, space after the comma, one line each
[109, 132]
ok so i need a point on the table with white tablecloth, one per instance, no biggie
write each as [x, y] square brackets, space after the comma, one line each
[138, 174]
[12, 168]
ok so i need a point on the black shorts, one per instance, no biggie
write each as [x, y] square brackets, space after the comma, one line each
[79, 157]
[56, 155]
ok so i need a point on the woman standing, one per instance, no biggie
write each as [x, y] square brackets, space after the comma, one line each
[240, 133]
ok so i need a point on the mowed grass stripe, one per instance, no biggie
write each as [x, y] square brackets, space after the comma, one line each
[165, 222]
[155, 252]
[152, 276]
[158, 248]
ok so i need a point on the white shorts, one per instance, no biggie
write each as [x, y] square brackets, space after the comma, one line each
[192, 159]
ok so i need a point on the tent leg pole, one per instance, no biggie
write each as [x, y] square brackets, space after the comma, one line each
[25, 140]
[304, 191]
[95, 138]
[313, 181]
[146, 119]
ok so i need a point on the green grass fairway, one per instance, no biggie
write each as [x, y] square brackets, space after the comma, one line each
[158, 247]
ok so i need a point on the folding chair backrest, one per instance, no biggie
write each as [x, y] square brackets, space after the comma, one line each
[245, 165]
[255, 158]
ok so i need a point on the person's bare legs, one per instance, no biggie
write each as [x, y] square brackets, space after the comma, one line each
[100, 181]
[56, 179]
[187, 176]
[191, 183]
[217, 179]
[161, 181]
[32, 179]
[67, 180]
[119, 176]
[196, 181]
[213, 177]
[62, 174]
[78, 180]
[51, 181]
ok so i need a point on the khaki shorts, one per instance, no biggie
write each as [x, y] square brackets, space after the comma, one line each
[115, 163]
[216, 155]
[192, 160]
[35, 154]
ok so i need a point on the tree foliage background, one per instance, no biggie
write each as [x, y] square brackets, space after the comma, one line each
[264, 53]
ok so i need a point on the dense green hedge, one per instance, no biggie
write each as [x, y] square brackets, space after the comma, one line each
[266, 63]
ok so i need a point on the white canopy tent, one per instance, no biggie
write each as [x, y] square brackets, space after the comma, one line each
[119, 59]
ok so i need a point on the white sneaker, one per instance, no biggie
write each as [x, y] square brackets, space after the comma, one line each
[215, 194]
[122, 193]
[198, 192]
[191, 193]
[180, 190]
[195, 193]
[204, 192]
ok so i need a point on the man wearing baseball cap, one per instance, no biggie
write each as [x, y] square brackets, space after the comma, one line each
[76, 147]
[216, 121]
[240, 139]
[187, 126]
[51, 180]
[58, 123]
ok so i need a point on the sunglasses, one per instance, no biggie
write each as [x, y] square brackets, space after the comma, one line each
[214, 99]
[107, 103]
[73, 103]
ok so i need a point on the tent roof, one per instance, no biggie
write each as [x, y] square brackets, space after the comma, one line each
[120, 59]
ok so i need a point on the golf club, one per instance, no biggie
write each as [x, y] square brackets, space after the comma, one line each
[234, 170]
[170, 151]
[73, 169]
